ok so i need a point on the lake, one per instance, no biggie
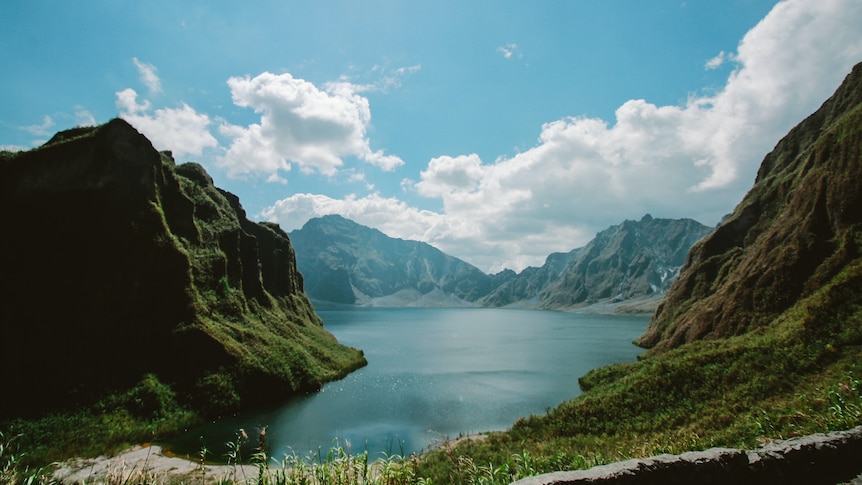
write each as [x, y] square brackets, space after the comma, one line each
[435, 373]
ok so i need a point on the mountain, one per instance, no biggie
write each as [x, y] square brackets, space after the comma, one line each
[522, 289]
[632, 260]
[119, 263]
[796, 235]
[345, 262]
[635, 259]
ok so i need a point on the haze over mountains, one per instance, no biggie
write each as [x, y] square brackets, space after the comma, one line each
[345, 262]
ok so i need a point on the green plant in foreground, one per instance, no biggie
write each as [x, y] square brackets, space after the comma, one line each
[11, 469]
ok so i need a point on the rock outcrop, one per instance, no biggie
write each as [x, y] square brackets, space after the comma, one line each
[795, 230]
[817, 459]
[116, 262]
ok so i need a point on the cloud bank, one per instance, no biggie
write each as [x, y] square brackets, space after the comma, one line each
[694, 160]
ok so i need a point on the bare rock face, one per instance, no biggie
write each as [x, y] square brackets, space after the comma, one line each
[116, 262]
[345, 262]
[791, 234]
[817, 459]
[629, 260]
[348, 263]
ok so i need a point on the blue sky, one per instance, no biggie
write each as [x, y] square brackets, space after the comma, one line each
[498, 131]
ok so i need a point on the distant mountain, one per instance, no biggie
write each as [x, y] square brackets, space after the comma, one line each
[522, 289]
[345, 262]
[795, 238]
[632, 260]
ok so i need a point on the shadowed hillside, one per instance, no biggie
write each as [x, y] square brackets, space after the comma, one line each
[796, 229]
[117, 263]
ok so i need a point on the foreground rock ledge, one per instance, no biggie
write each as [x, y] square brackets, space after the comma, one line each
[816, 459]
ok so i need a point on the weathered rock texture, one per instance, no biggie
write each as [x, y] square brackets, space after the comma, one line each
[817, 459]
[345, 262]
[792, 233]
[630, 260]
[116, 262]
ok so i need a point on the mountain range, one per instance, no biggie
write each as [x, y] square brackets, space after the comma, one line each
[347, 263]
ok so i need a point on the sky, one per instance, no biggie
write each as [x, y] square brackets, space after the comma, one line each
[498, 131]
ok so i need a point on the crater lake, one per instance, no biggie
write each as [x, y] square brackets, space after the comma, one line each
[433, 374]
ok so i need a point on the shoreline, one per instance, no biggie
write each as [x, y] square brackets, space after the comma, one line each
[154, 462]
[145, 461]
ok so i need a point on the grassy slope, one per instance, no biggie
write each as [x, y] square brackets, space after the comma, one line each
[797, 376]
[795, 372]
[239, 344]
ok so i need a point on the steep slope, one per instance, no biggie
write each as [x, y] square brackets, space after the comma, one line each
[797, 228]
[346, 262]
[117, 263]
[630, 260]
[522, 289]
[759, 339]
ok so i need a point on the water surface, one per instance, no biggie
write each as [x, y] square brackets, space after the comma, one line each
[435, 373]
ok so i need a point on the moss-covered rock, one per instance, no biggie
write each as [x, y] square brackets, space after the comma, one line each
[118, 263]
[798, 227]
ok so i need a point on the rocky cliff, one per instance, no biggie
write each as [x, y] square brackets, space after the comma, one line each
[522, 289]
[345, 262]
[117, 262]
[794, 232]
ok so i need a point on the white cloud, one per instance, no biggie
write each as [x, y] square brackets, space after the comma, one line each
[148, 76]
[718, 60]
[300, 123]
[509, 50]
[84, 117]
[692, 160]
[43, 129]
[182, 130]
[392, 216]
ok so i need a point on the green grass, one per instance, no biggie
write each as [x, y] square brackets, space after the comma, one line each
[799, 375]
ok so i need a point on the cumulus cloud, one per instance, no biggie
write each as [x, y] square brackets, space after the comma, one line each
[392, 216]
[148, 75]
[300, 124]
[693, 160]
[182, 130]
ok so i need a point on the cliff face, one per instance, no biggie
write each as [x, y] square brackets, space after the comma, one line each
[523, 288]
[635, 259]
[345, 262]
[797, 228]
[117, 262]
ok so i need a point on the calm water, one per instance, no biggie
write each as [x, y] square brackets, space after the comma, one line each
[436, 373]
